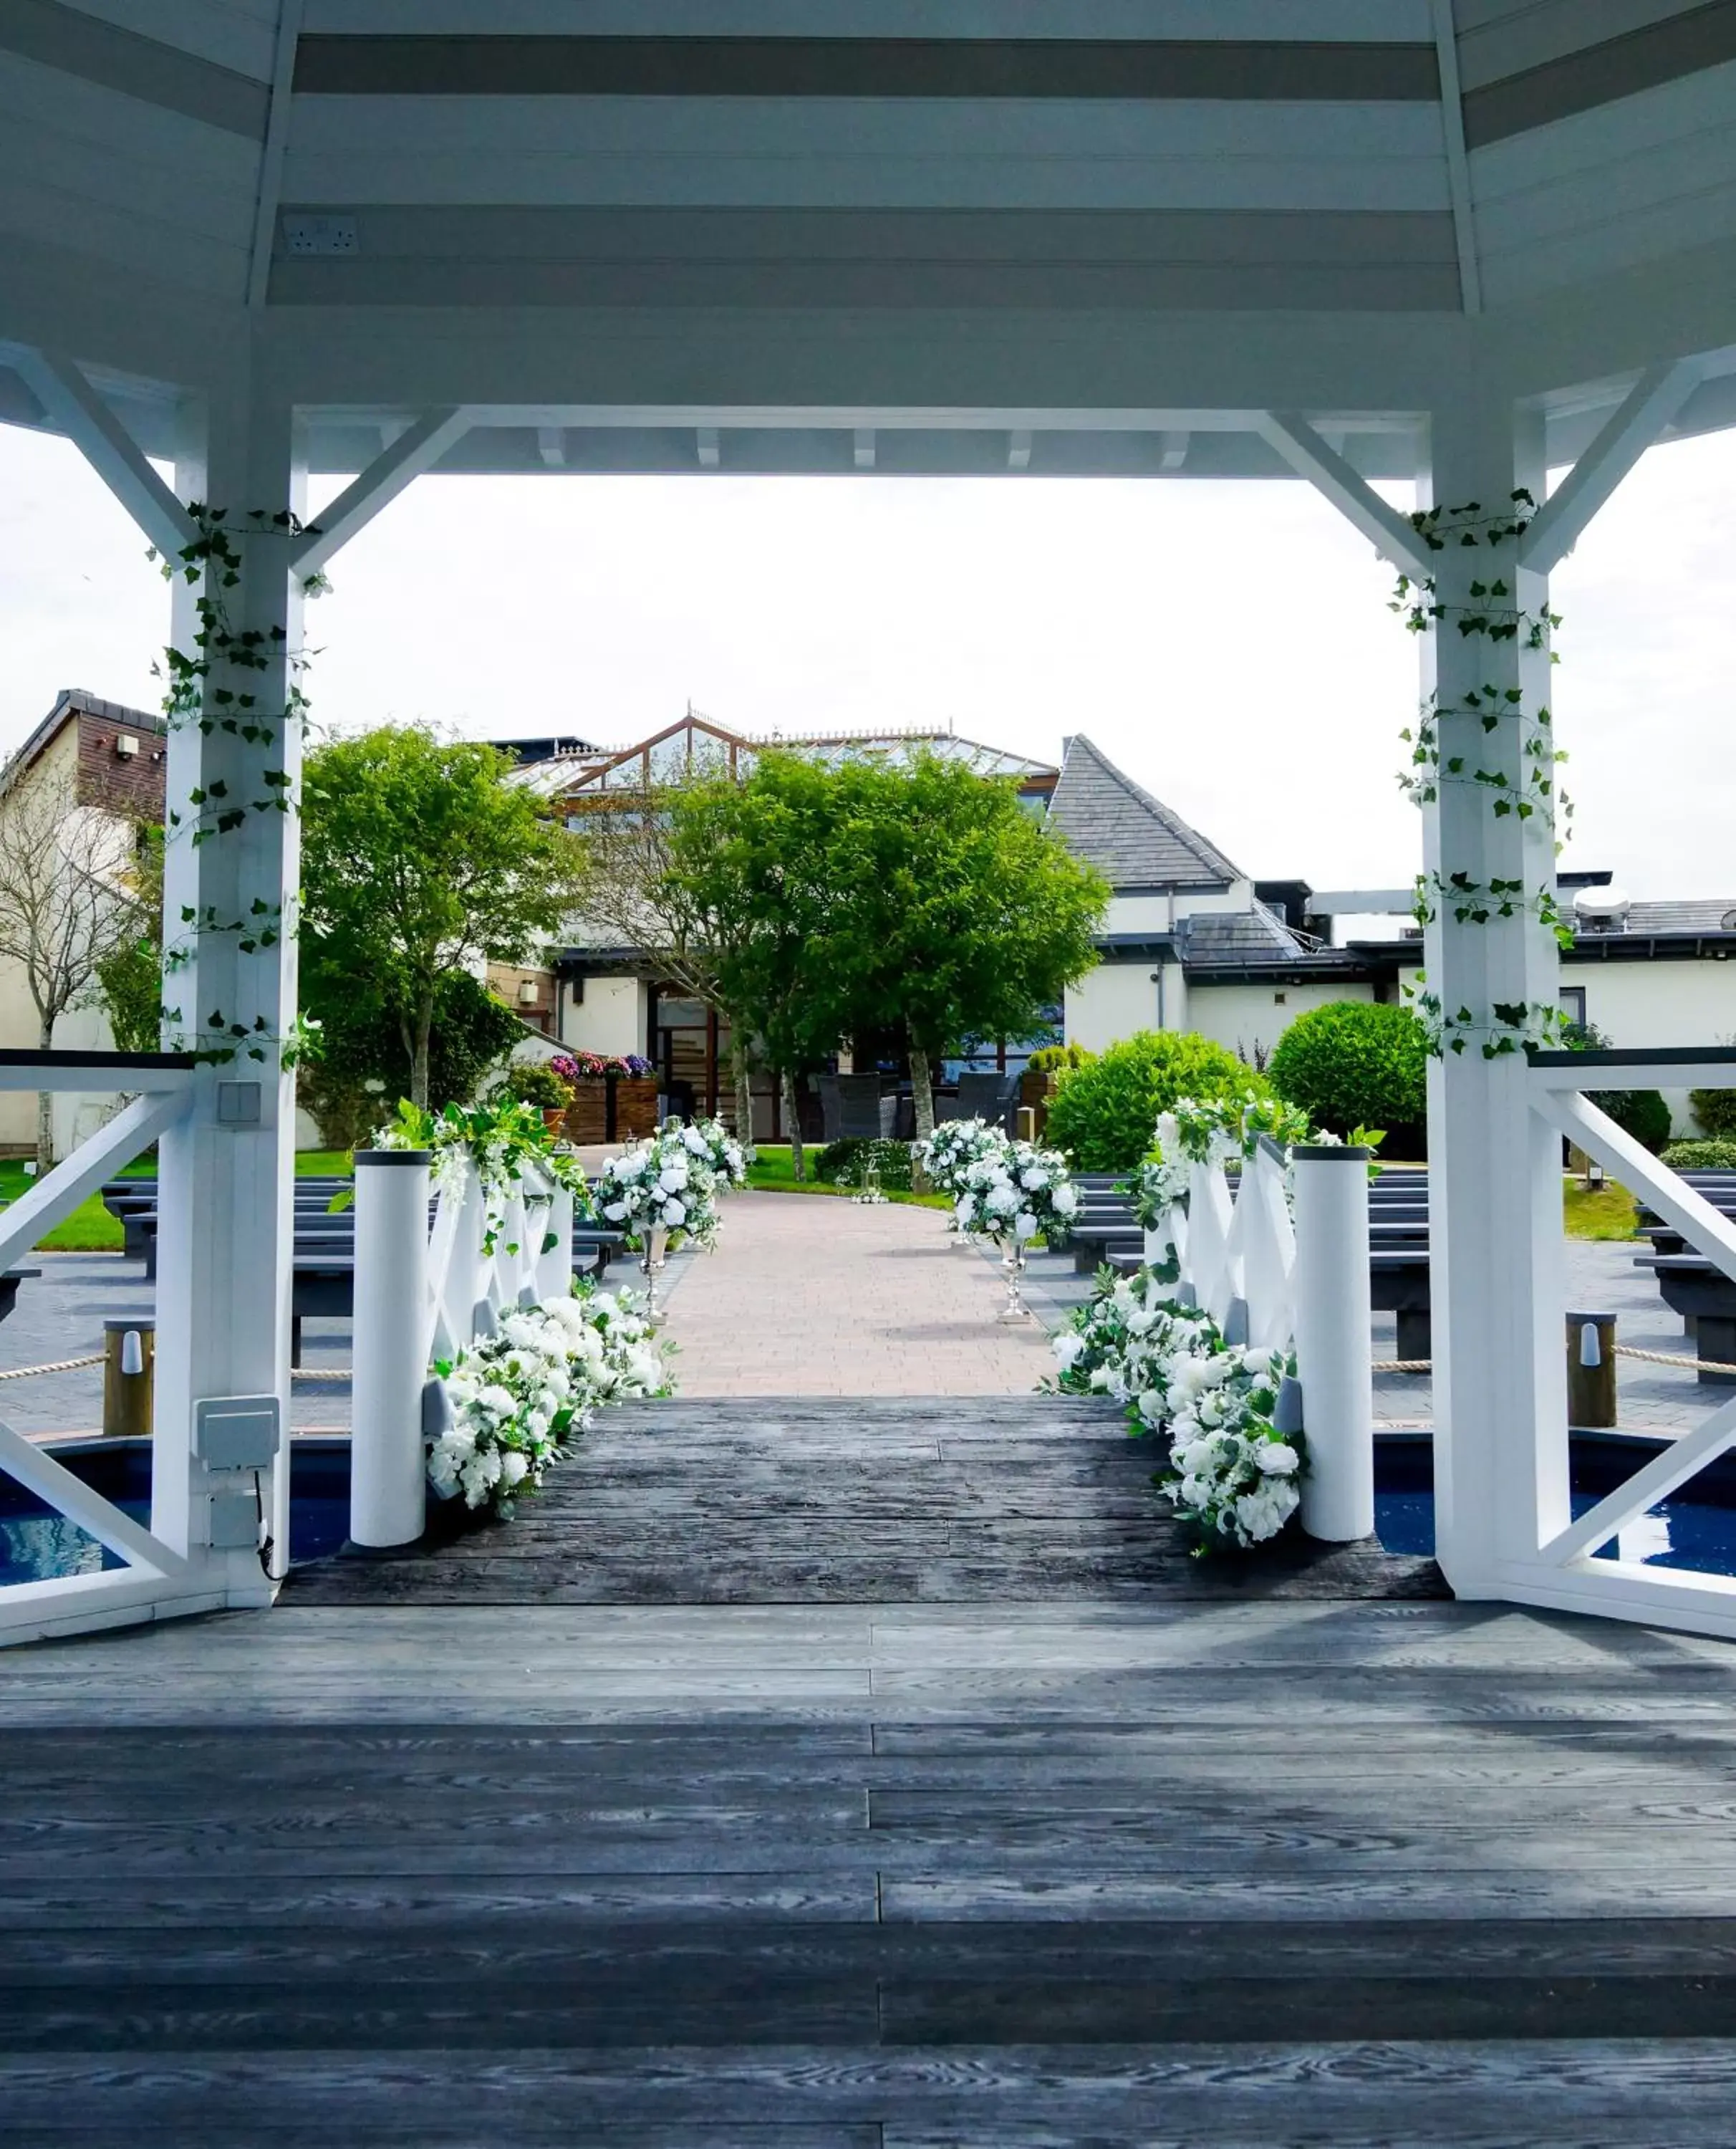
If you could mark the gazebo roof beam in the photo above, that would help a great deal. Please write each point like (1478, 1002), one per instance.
(91, 425)
(1313, 459)
(1653, 400)
(414, 451)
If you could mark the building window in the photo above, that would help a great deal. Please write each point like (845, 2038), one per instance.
(1572, 1003)
(1280, 998)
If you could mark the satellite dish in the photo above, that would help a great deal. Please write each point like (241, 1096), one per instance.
(1601, 909)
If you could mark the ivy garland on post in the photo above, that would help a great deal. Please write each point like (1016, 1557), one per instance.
(212, 562)
(1527, 788)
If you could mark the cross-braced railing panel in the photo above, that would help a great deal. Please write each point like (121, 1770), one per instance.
(151, 1570)
(1558, 1083)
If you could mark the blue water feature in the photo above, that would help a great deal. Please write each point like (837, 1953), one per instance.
(1694, 1529)
(39, 1545)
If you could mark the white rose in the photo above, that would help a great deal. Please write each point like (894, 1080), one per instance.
(1277, 1458)
(513, 1466)
(1068, 1348)
(1066, 1199)
(674, 1212)
(1024, 1225)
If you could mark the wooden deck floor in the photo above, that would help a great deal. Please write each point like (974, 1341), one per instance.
(787, 1500)
(1061, 1872)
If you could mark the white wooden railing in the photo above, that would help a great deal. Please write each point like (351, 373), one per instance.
(1563, 1570)
(153, 1578)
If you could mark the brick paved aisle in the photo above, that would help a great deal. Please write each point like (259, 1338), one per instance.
(807, 1295)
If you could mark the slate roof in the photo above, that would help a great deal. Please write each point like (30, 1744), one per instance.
(1133, 839)
(1221, 940)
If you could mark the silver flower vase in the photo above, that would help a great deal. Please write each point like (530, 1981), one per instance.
(1012, 1264)
(653, 1251)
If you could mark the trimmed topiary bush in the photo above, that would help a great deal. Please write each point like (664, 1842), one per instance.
(1051, 1059)
(1105, 1113)
(1641, 1112)
(1701, 1155)
(1715, 1111)
(1357, 1064)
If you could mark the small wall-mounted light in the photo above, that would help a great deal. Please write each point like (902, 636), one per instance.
(527, 992)
(126, 746)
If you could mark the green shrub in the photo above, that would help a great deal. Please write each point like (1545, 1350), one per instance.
(1641, 1112)
(1356, 1063)
(1050, 1058)
(1715, 1109)
(841, 1163)
(1105, 1113)
(535, 1082)
(1718, 1155)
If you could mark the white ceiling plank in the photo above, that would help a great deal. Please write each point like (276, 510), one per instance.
(87, 230)
(1173, 453)
(709, 448)
(1018, 449)
(67, 395)
(551, 445)
(238, 34)
(271, 156)
(105, 124)
(1309, 456)
(862, 448)
(39, 158)
(418, 448)
(1502, 39)
(1351, 21)
(1589, 143)
(1648, 407)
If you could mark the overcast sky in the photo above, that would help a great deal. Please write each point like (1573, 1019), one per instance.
(1228, 645)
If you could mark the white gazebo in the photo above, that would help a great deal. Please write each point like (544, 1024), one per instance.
(1456, 241)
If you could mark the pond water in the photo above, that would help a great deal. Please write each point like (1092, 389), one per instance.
(39, 1545)
(1694, 1529)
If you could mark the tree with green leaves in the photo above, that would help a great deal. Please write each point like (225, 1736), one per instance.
(749, 865)
(953, 913)
(419, 859)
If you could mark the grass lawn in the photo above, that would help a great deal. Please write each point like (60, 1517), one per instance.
(772, 1173)
(1607, 1213)
(91, 1229)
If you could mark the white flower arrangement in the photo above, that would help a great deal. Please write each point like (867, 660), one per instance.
(1233, 1476)
(1017, 1192)
(712, 1143)
(662, 1184)
(1217, 1130)
(947, 1153)
(517, 1396)
(503, 1140)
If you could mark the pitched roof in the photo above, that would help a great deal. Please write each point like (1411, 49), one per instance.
(1132, 839)
(1215, 939)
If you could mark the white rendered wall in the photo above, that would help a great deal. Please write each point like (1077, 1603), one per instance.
(1116, 998)
(1653, 1004)
(609, 1019)
(1243, 1016)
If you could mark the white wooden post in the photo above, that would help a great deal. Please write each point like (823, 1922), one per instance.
(554, 1262)
(1496, 1284)
(1269, 1249)
(387, 1479)
(226, 1170)
(1332, 1315)
(1209, 1217)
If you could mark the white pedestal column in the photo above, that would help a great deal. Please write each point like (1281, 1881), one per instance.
(226, 1172)
(1496, 1288)
(387, 1479)
(1331, 1296)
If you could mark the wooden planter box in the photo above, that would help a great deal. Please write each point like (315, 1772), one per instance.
(612, 1107)
(1034, 1093)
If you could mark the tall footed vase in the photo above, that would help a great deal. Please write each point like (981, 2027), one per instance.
(652, 1253)
(1012, 1267)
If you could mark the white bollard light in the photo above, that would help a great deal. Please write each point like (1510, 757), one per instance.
(387, 1480)
(1334, 1356)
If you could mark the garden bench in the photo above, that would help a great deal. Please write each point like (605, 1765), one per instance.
(10, 1279)
(1399, 1283)
(1705, 1297)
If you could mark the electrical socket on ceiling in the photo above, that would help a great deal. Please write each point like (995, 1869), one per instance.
(319, 235)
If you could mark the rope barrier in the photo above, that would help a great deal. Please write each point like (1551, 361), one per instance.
(1671, 1358)
(319, 1373)
(58, 1366)
(1622, 1351)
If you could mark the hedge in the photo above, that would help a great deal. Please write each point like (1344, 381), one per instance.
(1103, 1114)
(1716, 1155)
(1357, 1064)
